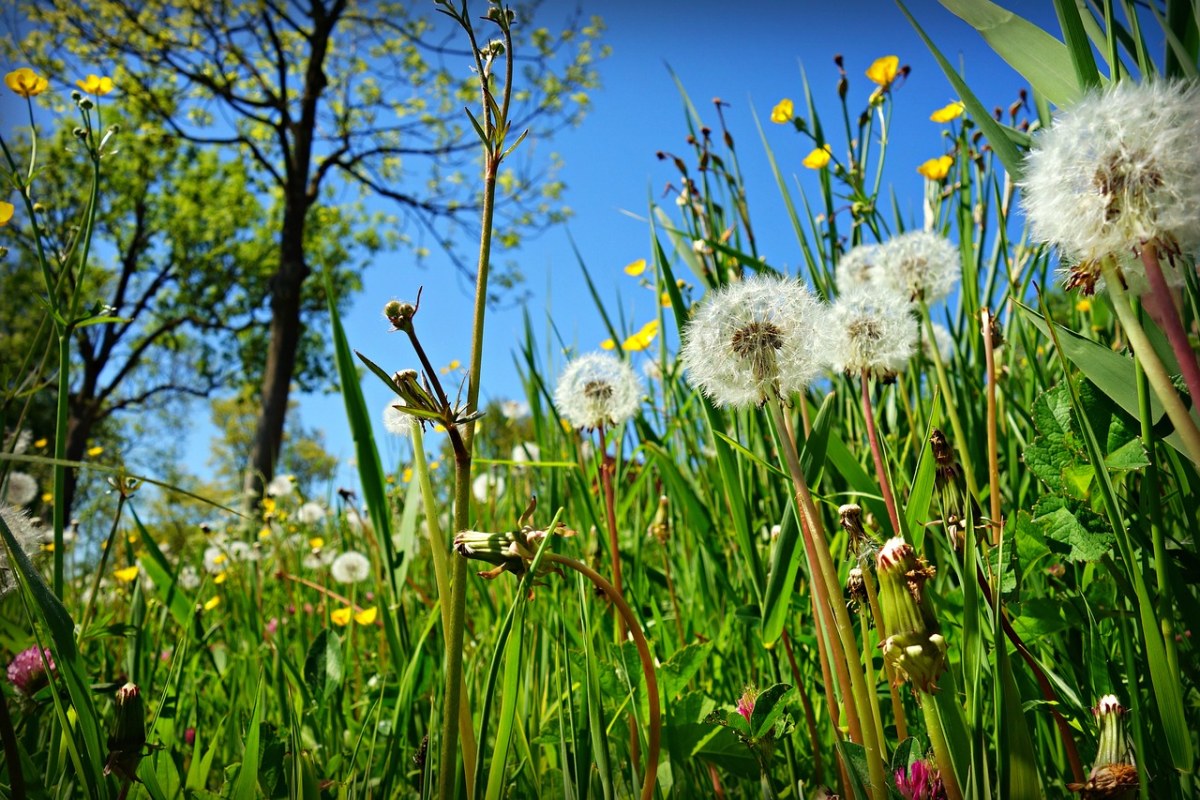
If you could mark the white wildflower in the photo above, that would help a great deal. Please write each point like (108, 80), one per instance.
(857, 267)
(351, 567)
(701, 247)
(21, 489)
(188, 579)
(1117, 170)
(598, 389)
(754, 340)
(524, 453)
(243, 551)
(27, 538)
(486, 486)
(918, 264)
(396, 421)
(17, 443)
(310, 513)
(871, 328)
(215, 560)
(281, 486)
(514, 409)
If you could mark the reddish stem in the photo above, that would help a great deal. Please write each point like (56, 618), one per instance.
(885, 485)
(1160, 303)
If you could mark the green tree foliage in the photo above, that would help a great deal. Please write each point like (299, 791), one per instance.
(310, 97)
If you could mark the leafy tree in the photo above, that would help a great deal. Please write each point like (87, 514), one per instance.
(306, 96)
(182, 267)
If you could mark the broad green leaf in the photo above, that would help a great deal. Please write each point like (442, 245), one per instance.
(680, 668)
(768, 707)
(1087, 536)
(247, 776)
(323, 668)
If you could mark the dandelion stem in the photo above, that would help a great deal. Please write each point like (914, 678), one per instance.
(889, 670)
(989, 351)
(654, 727)
(810, 719)
(1156, 373)
(881, 473)
(960, 436)
(1162, 305)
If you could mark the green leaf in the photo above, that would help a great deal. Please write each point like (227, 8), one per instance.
(681, 667)
(323, 665)
(768, 707)
(1087, 535)
(158, 569)
(247, 776)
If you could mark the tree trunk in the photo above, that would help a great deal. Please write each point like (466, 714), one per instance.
(80, 423)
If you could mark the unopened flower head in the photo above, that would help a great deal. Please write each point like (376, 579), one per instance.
(754, 340)
(918, 264)
(350, 567)
(871, 328)
(21, 489)
(598, 389)
(1118, 170)
(27, 538)
(857, 267)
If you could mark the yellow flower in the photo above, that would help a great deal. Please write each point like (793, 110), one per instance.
(642, 339)
(221, 576)
(48, 547)
(608, 344)
(665, 299)
(47, 498)
(95, 451)
(268, 505)
(40, 443)
(1083, 306)
(948, 112)
(783, 112)
(434, 464)
(6, 212)
(635, 268)
(126, 575)
(25, 82)
(407, 476)
(453, 365)
(132, 538)
(264, 532)
(936, 168)
(220, 558)
(883, 70)
(341, 617)
(818, 158)
(96, 85)
(213, 603)
(366, 616)
(316, 543)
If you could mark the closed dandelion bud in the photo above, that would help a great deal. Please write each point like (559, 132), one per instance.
(1114, 775)
(660, 527)
(128, 739)
(914, 643)
(856, 589)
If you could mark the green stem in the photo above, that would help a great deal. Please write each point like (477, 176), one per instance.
(937, 737)
(1156, 373)
(960, 435)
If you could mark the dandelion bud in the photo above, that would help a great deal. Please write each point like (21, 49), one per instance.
(1114, 775)
(914, 643)
(39, 208)
(843, 86)
(128, 739)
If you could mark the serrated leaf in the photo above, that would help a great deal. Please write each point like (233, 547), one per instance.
(682, 666)
(1087, 535)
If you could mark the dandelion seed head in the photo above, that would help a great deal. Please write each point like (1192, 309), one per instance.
(598, 389)
(1117, 170)
(310, 513)
(21, 489)
(919, 265)
(350, 567)
(754, 339)
(189, 579)
(857, 267)
(486, 486)
(281, 486)
(396, 421)
(871, 328)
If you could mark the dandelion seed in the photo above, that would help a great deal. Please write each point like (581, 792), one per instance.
(281, 485)
(857, 267)
(214, 559)
(514, 409)
(871, 328)
(21, 489)
(922, 265)
(27, 538)
(943, 340)
(598, 389)
(27, 672)
(754, 340)
(243, 551)
(351, 567)
(1118, 170)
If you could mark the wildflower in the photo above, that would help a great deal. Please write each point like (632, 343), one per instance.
(936, 169)
(395, 420)
(341, 616)
(914, 643)
(281, 486)
(949, 112)
(871, 328)
(6, 212)
(41, 443)
(128, 739)
(25, 82)
(367, 616)
(514, 409)
(920, 782)
(608, 344)
(1117, 171)
(783, 112)
(921, 265)
(95, 450)
(351, 567)
(486, 486)
(525, 452)
(598, 389)
(1114, 774)
(883, 72)
(127, 574)
(21, 489)
(214, 559)
(635, 268)
(27, 672)
(96, 85)
(213, 602)
(188, 579)
(310, 513)
(754, 340)
(1084, 305)
(857, 267)
(745, 703)
(189, 736)
(642, 338)
(818, 158)
(243, 551)
(27, 538)
(270, 628)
